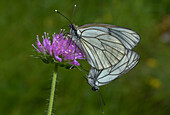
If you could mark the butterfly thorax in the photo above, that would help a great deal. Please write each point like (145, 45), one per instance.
(75, 36)
(73, 32)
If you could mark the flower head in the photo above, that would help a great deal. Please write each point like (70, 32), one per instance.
(61, 49)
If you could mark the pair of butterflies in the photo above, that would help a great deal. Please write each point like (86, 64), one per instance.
(107, 48)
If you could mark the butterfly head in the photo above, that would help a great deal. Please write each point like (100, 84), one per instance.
(91, 82)
(73, 29)
(95, 88)
(73, 32)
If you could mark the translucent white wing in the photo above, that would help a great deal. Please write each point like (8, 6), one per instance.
(102, 77)
(101, 53)
(128, 37)
(104, 45)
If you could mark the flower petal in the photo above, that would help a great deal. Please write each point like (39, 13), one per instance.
(75, 63)
(58, 58)
(40, 46)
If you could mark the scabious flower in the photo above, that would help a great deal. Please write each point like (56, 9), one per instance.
(60, 49)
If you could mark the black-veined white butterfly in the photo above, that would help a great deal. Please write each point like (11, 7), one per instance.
(107, 49)
(98, 78)
(103, 45)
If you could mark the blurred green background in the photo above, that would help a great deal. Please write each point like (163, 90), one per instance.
(25, 82)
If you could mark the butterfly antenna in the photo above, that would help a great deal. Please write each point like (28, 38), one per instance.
(73, 13)
(63, 16)
(101, 101)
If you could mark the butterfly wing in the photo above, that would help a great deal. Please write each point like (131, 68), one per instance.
(105, 76)
(104, 45)
(128, 37)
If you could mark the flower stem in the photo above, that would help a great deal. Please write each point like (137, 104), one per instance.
(50, 107)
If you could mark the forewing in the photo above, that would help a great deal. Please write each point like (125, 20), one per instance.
(128, 37)
(102, 50)
(127, 63)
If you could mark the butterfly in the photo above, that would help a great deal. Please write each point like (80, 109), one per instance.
(107, 48)
(98, 78)
(103, 45)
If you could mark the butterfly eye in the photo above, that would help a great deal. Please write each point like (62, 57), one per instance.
(70, 26)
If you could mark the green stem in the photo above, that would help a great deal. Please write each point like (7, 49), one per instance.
(50, 107)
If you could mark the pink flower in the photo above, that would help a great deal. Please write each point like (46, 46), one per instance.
(62, 48)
